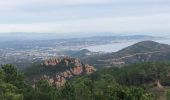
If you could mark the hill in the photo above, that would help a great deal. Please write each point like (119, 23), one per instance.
(144, 47)
(145, 51)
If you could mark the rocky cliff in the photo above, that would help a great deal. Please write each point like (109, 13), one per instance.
(58, 70)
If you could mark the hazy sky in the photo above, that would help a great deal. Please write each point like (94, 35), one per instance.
(64, 16)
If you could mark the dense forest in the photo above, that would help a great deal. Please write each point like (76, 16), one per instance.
(141, 81)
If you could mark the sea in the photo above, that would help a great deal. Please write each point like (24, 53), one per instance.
(114, 47)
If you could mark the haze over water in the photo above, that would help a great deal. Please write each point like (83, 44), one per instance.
(113, 47)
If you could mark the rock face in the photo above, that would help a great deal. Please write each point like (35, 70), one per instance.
(51, 62)
(63, 69)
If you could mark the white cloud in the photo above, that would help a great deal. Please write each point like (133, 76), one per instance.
(76, 16)
(148, 23)
(15, 4)
(18, 5)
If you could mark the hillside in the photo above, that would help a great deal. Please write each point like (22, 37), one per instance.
(145, 51)
(143, 47)
(142, 81)
(69, 78)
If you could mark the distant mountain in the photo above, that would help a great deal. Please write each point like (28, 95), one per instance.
(11, 36)
(145, 51)
(58, 70)
(21, 41)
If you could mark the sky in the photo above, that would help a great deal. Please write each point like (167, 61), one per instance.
(86, 16)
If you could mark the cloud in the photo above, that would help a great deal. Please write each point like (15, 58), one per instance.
(10, 6)
(17, 4)
(147, 24)
(84, 16)
(39, 14)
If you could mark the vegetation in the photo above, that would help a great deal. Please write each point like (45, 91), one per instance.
(134, 82)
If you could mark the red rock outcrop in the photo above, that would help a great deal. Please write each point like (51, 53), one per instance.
(89, 69)
(51, 62)
(73, 68)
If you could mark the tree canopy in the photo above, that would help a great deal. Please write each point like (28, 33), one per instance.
(132, 82)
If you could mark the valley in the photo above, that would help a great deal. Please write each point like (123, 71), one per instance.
(85, 50)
